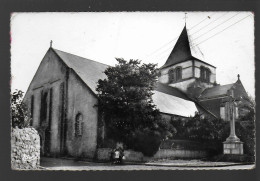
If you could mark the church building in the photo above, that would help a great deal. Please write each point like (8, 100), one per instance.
(63, 100)
(186, 70)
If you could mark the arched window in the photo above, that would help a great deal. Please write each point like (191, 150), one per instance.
(79, 125)
(207, 77)
(171, 76)
(204, 74)
(178, 73)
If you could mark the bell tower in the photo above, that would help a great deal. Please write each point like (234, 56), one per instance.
(185, 68)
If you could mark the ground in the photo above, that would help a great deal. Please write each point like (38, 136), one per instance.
(69, 164)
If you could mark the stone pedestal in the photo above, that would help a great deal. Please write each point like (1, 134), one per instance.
(233, 147)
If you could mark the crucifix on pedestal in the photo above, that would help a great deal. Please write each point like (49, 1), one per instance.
(232, 145)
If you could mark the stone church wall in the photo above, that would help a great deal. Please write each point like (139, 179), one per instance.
(25, 148)
(49, 79)
(81, 100)
(50, 74)
(56, 116)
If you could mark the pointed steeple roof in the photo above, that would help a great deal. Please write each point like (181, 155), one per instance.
(183, 50)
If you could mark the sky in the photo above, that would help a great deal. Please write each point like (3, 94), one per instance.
(226, 40)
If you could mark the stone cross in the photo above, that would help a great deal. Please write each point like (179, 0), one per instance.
(51, 43)
(232, 118)
(232, 145)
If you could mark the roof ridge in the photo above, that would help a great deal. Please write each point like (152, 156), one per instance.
(182, 94)
(175, 88)
(80, 56)
(214, 88)
(83, 69)
(220, 86)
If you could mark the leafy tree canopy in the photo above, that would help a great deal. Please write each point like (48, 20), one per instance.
(248, 104)
(127, 106)
(19, 113)
(214, 132)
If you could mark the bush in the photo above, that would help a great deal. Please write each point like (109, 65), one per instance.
(245, 130)
(213, 132)
(20, 115)
(146, 141)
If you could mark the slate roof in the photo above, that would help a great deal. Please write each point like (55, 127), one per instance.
(171, 91)
(177, 93)
(184, 50)
(168, 99)
(88, 70)
(170, 104)
(216, 91)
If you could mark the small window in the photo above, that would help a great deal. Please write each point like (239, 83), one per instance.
(79, 125)
(204, 74)
(178, 73)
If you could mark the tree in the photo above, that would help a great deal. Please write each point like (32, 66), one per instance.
(213, 132)
(248, 104)
(20, 115)
(127, 106)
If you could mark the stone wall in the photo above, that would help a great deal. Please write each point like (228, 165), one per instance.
(169, 153)
(133, 156)
(103, 154)
(25, 149)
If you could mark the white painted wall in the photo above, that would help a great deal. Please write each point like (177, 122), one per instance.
(212, 70)
(186, 71)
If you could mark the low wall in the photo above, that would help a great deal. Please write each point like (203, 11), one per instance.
(103, 154)
(25, 148)
(133, 156)
(168, 153)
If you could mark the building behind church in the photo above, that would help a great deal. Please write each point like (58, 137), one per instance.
(63, 100)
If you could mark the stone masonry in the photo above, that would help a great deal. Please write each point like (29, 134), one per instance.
(25, 149)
